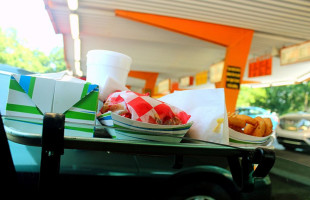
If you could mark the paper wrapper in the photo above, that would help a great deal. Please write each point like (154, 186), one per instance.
(143, 108)
(208, 113)
(108, 87)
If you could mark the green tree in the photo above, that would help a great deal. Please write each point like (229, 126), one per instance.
(14, 53)
(56, 57)
(249, 96)
(291, 98)
(281, 99)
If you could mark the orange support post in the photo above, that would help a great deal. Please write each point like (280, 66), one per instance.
(236, 40)
(149, 77)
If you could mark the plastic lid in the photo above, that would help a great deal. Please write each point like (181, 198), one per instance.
(108, 57)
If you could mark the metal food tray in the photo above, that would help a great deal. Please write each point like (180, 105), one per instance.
(53, 142)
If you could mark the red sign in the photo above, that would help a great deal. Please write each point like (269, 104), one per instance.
(260, 66)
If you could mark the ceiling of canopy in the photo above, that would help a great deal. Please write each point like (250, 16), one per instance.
(275, 23)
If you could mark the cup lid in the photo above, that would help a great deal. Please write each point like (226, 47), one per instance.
(108, 57)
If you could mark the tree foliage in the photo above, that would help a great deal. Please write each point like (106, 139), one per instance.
(281, 99)
(249, 96)
(14, 53)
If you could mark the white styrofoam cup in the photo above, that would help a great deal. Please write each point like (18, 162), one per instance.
(102, 64)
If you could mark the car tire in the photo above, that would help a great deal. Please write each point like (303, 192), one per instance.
(200, 190)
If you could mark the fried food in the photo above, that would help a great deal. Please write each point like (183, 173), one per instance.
(258, 126)
(240, 121)
(268, 123)
(248, 119)
(261, 127)
(236, 121)
(236, 128)
(249, 129)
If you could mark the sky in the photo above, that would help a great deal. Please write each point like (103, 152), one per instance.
(32, 23)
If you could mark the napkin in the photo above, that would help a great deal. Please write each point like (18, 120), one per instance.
(208, 113)
(110, 86)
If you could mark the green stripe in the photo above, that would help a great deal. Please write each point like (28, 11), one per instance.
(23, 108)
(89, 130)
(155, 129)
(106, 114)
(85, 89)
(237, 141)
(24, 121)
(79, 115)
(243, 142)
(31, 86)
(15, 86)
(149, 133)
(90, 102)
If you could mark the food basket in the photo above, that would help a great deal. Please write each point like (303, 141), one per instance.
(123, 128)
(240, 139)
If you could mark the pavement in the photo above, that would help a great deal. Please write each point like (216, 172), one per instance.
(293, 165)
(290, 166)
(290, 176)
(286, 189)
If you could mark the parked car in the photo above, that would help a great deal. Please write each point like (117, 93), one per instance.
(257, 111)
(294, 131)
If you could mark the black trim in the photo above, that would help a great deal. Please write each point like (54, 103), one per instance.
(8, 175)
(280, 140)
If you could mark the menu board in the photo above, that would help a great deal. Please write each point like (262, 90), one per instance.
(164, 86)
(216, 72)
(260, 66)
(295, 53)
(233, 75)
(186, 81)
(201, 78)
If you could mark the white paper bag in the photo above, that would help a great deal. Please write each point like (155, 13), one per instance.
(109, 86)
(208, 112)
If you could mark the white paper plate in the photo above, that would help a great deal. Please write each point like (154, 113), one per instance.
(241, 139)
(128, 129)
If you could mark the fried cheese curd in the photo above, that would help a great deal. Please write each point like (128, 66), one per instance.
(258, 126)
